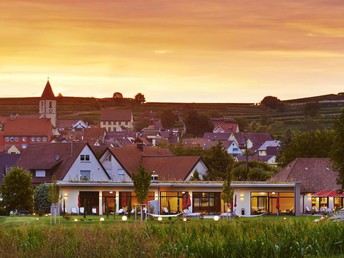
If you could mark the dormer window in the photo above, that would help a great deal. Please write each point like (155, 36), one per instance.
(85, 158)
(154, 176)
(40, 173)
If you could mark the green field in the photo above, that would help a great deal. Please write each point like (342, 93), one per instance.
(25, 236)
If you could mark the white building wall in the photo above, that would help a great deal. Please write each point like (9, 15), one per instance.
(97, 171)
(201, 168)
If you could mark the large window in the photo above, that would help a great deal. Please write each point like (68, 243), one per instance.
(267, 202)
(85, 174)
(209, 203)
(127, 199)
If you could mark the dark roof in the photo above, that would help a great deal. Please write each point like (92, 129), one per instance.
(115, 115)
(314, 174)
(217, 136)
(7, 161)
(48, 93)
(130, 156)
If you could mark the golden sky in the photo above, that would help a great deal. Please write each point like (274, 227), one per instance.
(177, 51)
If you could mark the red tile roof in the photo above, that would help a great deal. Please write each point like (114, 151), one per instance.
(115, 115)
(171, 168)
(48, 93)
(28, 127)
(130, 156)
(314, 174)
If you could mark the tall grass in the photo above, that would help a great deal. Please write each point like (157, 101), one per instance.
(237, 238)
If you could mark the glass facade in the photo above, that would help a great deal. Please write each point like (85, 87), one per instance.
(207, 203)
(266, 202)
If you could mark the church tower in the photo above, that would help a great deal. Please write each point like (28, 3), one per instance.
(47, 104)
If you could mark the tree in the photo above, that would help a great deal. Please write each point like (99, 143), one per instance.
(337, 153)
(197, 124)
(17, 191)
(54, 198)
(41, 200)
(310, 144)
(227, 191)
(272, 102)
(141, 180)
(140, 98)
(168, 119)
(218, 162)
(252, 171)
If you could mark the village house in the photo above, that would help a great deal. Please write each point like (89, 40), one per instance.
(116, 119)
(225, 125)
(318, 184)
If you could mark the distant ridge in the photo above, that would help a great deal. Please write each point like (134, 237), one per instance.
(323, 98)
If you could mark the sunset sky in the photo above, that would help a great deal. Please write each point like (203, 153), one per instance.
(173, 51)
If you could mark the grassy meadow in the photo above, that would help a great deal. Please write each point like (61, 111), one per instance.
(25, 236)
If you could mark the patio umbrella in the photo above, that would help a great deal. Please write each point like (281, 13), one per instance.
(277, 203)
(235, 201)
(186, 202)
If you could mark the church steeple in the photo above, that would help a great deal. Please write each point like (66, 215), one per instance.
(48, 93)
(47, 104)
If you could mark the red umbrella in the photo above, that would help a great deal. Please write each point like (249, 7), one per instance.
(186, 202)
(277, 202)
(235, 201)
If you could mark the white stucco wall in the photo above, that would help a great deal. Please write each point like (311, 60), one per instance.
(114, 168)
(201, 168)
(93, 165)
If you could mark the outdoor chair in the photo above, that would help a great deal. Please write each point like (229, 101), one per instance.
(94, 211)
(74, 211)
(82, 210)
(120, 212)
(188, 214)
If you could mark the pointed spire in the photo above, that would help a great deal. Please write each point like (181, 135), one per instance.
(48, 93)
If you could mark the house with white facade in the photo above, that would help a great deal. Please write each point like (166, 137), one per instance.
(116, 119)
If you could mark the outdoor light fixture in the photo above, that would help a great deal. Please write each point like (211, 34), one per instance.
(160, 218)
(216, 218)
(75, 219)
(111, 192)
(184, 219)
(124, 218)
(101, 219)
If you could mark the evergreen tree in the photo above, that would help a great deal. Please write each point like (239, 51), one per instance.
(41, 200)
(227, 191)
(218, 162)
(141, 180)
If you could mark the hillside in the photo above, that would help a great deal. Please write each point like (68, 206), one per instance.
(270, 120)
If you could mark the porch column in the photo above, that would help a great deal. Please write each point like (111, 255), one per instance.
(117, 201)
(100, 208)
(191, 202)
(297, 198)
